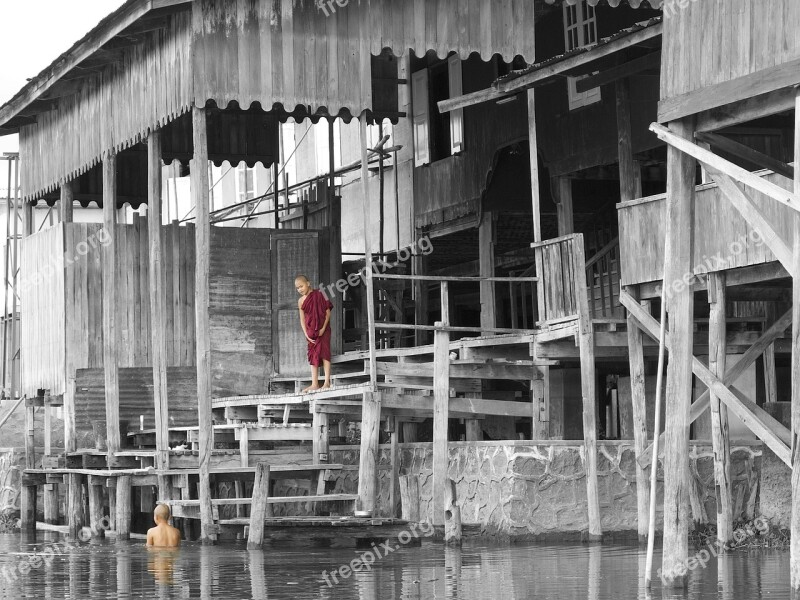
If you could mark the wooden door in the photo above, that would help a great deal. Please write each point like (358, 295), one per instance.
(293, 253)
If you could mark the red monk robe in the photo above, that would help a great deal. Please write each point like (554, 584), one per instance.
(315, 308)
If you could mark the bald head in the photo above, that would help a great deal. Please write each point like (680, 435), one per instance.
(162, 513)
(301, 279)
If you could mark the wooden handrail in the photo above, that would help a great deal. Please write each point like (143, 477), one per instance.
(11, 412)
(603, 252)
(456, 279)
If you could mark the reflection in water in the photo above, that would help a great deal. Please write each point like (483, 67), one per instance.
(124, 570)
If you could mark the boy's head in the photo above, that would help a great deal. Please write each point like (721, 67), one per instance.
(302, 285)
(161, 514)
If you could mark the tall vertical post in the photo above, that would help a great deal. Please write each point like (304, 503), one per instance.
(368, 459)
(680, 305)
(373, 372)
(28, 492)
(15, 278)
(441, 409)
(199, 185)
(158, 301)
(534, 156)
(486, 241)
(67, 201)
(565, 215)
(124, 507)
(111, 374)
(639, 410)
(795, 543)
(75, 504)
(630, 180)
(717, 350)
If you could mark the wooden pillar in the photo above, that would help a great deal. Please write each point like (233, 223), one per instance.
(588, 377)
(770, 382)
(28, 220)
(795, 537)
(74, 504)
(51, 503)
(540, 397)
(158, 313)
(109, 266)
(486, 241)
(566, 220)
(452, 515)
(124, 507)
(639, 411)
(66, 202)
(370, 285)
(28, 492)
(534, 157)
(409, 433)
(96, 506)
(368, 461)
(474, 429)
(441, 412)
(680, 305)
(258, 510)
(199, 186)
(319, 425)
(717, 351)
(394, 482)
(630, 179)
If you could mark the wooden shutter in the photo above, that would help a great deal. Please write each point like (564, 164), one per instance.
(421, 111)
(456, 116)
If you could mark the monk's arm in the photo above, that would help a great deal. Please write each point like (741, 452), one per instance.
(327, 321)
(303, 320)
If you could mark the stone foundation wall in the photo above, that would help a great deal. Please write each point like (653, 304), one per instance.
(529, 490)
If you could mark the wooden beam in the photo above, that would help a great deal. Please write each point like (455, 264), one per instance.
(754, 216)
(368, 459)
(486, 241)
(763, 81)
(370, 284)
(199, 189)
(794, 562)
(533, 144)
(158, 301)
(620, 72)
(258, 509)
(678, 260)
(630, 178)
(770, 381)
(639, 411)
(66, 202)
(712, 161)
(441, 408)
(109, 266)
(566, 221)
(745, 153)
(746, 110)
(717, 353)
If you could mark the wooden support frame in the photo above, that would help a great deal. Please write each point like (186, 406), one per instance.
(109, 266)
(639, 410)
(680, 305)
(720, 439)
(158, 302)
(199, 187)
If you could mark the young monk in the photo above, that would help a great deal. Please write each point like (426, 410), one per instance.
(163, 535)
(315, 319)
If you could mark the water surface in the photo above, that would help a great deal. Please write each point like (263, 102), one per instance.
(108, 569)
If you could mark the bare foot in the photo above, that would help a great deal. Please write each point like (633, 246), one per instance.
(326, 386)
(312, 388)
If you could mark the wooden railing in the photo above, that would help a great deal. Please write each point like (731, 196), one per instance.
(560, 264)
(602, 277)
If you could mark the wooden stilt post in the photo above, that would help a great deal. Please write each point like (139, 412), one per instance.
(474, 429)
(96, 506)
(540, 397)
(486, 241)
(158, 300)
(368, 460)
(534, 157)
(111, 490)
(51, 503)
(74, 504)
(28, 492)
(370, 284)
(258, 509)
(639, 411)
(680, 223)
(199, 185)
(111, 374)
(124, 507)
(409, 433)
(67, 201)
(717, 351)
(394, 483)
(452, 515)
(586, 352)
(795, 543)
(441, 410)
(770, 382)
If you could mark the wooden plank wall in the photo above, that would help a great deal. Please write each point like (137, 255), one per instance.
(83, 289)
(41, 287)
(240, 311)
(713, 41)
(641, 227)
(113, 109)
(135, 398)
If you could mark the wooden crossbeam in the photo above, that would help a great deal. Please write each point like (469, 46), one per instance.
(632, 67)
(709, 159)
(744, 152)
(754, 216)
(764, 426)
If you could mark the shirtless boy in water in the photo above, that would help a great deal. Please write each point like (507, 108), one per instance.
(315, 319)
(163, 535)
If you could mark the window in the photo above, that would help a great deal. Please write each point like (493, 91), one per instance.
(580, 29)
(437, 135)
(245, 182)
